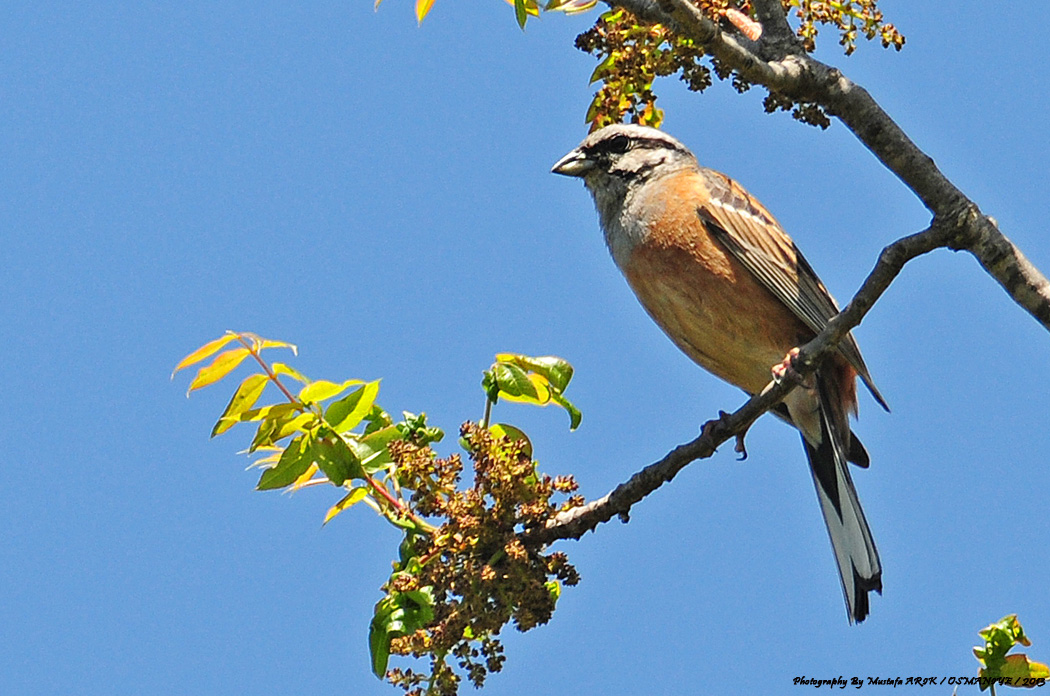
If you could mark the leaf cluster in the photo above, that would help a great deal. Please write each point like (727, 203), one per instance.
(463, 571)
(632, 54)
(850, 17)
(999, 667)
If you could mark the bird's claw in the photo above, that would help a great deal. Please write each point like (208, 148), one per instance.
(740, 448)
(787, 370)
(723, 420)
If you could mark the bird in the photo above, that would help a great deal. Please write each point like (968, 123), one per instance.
(725, 282)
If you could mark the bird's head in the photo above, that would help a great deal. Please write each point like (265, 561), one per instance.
(623, 155)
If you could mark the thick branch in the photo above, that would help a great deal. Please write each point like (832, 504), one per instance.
(777, 62)
(574, 523)
(781, 66)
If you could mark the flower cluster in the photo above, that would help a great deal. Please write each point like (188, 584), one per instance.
(474, 573)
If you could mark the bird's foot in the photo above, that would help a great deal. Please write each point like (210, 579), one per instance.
(786, 370)
(723, 420)
(740, 448)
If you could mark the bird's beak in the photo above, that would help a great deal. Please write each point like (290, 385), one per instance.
(573, 164)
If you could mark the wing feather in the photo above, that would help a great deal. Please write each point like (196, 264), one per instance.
(747, 230)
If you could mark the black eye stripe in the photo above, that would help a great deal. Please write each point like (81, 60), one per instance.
(618, 144)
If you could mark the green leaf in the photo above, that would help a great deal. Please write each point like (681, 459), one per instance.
(371, 449)
(243, 399)
(406, 553)
(344, 415)
(336, 459)
(574, 413)
(377, 419)
(379, 640)
(415, 429)
(270, 428)
(521, 13)
(490, 385)
(323, 389)
(274, 418)
(602, 69)
(293, 463)
(223, 365)
(557, 370)
(423, 613)
(396, 615)
(514, 382)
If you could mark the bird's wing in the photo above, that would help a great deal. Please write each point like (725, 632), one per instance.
(747, 230)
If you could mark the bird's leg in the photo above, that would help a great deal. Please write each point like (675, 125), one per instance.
(723, 420)
(786, 370)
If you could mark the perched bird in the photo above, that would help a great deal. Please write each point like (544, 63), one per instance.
(724, 281)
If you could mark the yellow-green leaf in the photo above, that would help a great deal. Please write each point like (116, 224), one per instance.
(514, 435)
(349, 500)
(345, 414)
(243, 399)
(302, 422)
(602, 69)
(270, 460)
(305, 478)
(223, 365)
(203, 352)
(1018, 668)
(554, 589)
(282, 369)
(422, 8)
(267, 412)
(262, 343)
(531, 7)
(592, 110)
(323, 389)
(272, 425)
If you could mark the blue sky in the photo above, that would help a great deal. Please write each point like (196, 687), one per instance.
(378, 193)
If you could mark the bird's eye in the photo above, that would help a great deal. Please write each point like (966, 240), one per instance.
(619, 144)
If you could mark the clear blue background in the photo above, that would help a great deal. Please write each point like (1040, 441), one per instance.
(379, 193)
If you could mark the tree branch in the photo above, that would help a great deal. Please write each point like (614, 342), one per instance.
(781, 66)
(574, 523)
(777, 62)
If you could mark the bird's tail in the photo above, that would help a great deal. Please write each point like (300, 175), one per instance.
(851, 540)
